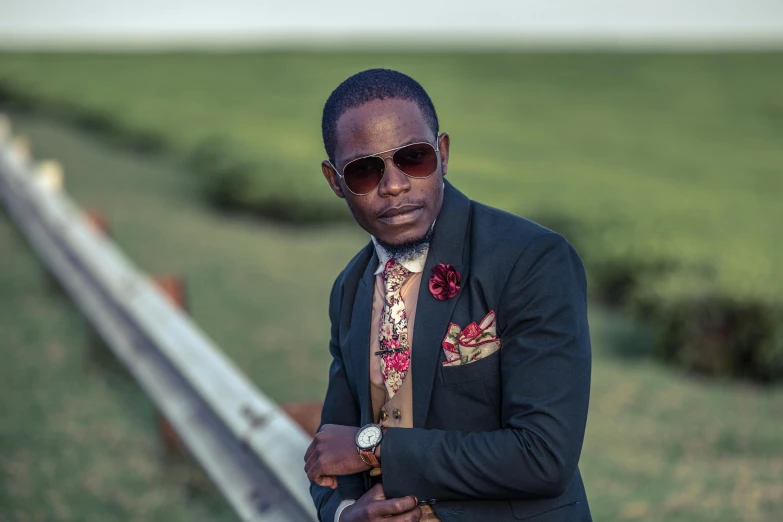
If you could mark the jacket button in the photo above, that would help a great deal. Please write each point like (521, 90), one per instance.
(432, 501)
(396, 413)
(384, 415)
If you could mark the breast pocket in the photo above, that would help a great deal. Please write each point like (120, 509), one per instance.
(472, 393)
(486, 367)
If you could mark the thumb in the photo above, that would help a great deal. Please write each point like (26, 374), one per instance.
(328, 481)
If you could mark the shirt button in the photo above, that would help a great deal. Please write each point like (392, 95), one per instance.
(396, 413)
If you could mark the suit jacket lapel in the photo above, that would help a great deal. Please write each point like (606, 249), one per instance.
(432, 316)
(360, 336)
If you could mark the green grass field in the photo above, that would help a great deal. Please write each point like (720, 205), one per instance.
(659, 446)
(77, 436)
(664, 169)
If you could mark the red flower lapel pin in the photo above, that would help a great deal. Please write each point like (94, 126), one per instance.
(444, 283)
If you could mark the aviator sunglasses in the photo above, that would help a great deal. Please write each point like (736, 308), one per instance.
(416, 160)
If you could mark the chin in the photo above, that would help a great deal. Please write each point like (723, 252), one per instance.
(403, 237)
(410, 237)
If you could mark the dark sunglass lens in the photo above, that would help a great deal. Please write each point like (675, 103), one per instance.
(364, 174)
(418, 160)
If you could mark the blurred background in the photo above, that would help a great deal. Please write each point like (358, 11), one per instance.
(648, 133)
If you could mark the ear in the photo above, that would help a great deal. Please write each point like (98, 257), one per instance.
(443, 145)
(332, 178)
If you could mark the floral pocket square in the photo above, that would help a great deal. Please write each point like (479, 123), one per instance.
(469, 344)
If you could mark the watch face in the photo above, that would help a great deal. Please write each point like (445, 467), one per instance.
(368, 437)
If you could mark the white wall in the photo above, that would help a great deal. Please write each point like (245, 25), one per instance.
(602, 22)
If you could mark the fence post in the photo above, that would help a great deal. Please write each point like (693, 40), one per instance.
(98, 222)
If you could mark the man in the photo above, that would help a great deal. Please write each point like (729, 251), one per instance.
(460, 377)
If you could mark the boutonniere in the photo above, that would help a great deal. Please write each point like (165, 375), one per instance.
(444, 283)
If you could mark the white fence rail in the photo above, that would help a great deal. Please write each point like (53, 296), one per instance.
(251, 450)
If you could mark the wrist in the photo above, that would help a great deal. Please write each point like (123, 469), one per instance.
(377, 450)
(368, 438)
(368, 458)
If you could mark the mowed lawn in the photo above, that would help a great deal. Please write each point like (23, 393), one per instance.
(78, 441)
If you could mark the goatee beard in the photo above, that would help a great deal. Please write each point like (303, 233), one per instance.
(409, 249)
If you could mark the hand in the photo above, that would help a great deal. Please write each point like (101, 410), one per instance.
(373, 506)
(333, 453)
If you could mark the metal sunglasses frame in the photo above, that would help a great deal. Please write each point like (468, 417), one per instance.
(436, 147)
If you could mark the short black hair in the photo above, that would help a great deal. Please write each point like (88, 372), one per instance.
(372, 84)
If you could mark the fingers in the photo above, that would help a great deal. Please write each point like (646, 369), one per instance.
(376, 492)
(313, 470)
(375, 506)
(310, 462)
(310, 450)
(313, 445)
(393, 506)
(319, 458)
(327, 481)
(414, 515)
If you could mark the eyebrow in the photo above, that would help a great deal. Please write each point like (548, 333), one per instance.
(408, 142)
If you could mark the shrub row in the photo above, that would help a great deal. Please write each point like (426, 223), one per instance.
(662, 169)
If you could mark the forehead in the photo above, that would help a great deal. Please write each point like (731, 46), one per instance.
(379, 125)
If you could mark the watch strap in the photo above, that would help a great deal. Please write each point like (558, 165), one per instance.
(369, 458)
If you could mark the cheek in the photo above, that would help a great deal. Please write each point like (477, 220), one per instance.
(359, 209)
(434, 190)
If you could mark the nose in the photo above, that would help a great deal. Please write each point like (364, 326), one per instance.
(394, 181)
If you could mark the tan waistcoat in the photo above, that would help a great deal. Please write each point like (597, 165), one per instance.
(396, 412)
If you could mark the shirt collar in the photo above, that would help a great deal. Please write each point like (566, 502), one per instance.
(414, 264)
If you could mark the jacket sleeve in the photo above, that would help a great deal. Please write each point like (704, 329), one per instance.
(545, 377)
(340, 407)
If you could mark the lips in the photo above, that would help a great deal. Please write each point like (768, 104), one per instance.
(401, 214)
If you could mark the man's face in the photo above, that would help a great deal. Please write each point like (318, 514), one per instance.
(400, 209)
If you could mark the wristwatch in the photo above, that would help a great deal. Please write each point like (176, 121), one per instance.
(367, 439)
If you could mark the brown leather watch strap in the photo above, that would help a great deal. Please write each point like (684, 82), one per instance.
(368, 457)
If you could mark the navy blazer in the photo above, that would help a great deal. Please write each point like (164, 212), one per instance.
(497, 439)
